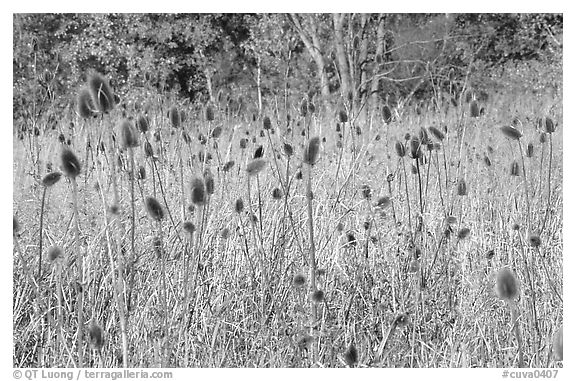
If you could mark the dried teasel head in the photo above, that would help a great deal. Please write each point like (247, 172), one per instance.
(128, 136)
(198, 191)
(51, 179)
(174, 116)
(506, 284)
(154, 209)
(312, 151)
(70, 164)
(101, 93)
(351, 356)
(255, 166)
(511, 132)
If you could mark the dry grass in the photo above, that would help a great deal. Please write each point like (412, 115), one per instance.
(231, 299)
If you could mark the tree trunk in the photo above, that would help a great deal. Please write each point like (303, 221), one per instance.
(362, 65)
(379, 58)
(341, 60)
(310, 39)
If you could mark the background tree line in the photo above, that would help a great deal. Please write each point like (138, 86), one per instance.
(247, 62)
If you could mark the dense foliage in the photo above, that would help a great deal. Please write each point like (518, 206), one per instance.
(252, 58)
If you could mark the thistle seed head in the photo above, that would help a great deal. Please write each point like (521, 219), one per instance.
(312, 151)
(70, 164)
(174, 116)
(154, 209)
(299, 280)
(239, 206)
(511, 132)
(198, 191)
(85, 106)
(101, 93)
(267, 123)
(96, 336)
(351, 356)
(255, 166)
(506, 284)
(51, 179)
(128, 136)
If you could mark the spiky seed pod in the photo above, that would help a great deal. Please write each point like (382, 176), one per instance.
(128, 136)
(415, 148)
(400, 149)
(304, 108)
(228, 166)
(338, 129)
(366, 191)
(387, 114)
(511, 132)
(463, 233)
(543, 138)
(259, 152)
(216, 132)
(142, 124)
(490, 254)
(114, 209)
(530, 150)
(342, 116)
(299, 175)
(451, 220)
(243, 143)
(535, 240)
(101, 92)
(414, 266)
(304, 342)
(558, 344)
(299, 280)
(311, 107)
(55, 253)
(239, 206)
(474, 109)
(85, 107)
(187, 139)
(351, 356)
(462, 188)
(468, 96)
(506, 284)
(317, 296)
(141, 173)
(225, 234)
(96, 336)
(148, 150)
(515, 169)
(51, 179)
(198, 191)
(312, 151)
(424, 138)
(383, 202)
(487, 161)
(437, 133)
(209, 181)
(255, 166)
(209, 113)
(174, 116)
(189, 227)
(549, 125)
(288, 150)
(70, 164)
(276, 193)
(154, 209)
(15, 225)
(515, 227)
(401, 320)
(267, 123)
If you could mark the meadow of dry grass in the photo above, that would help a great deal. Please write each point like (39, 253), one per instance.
(405, 257)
